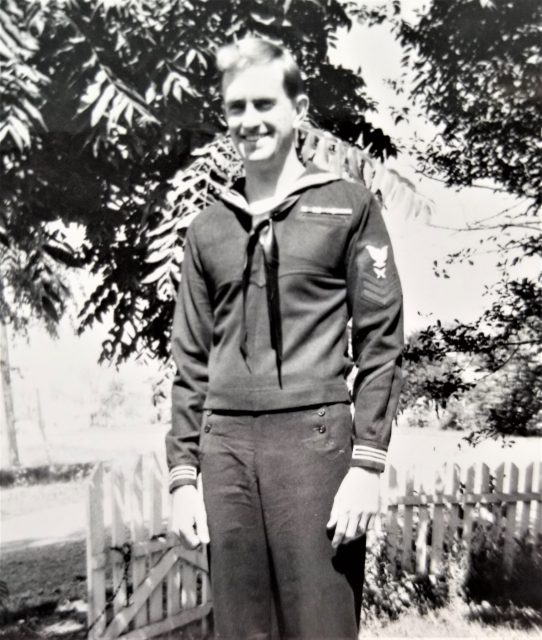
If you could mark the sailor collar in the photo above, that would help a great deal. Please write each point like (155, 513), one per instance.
(311, 177)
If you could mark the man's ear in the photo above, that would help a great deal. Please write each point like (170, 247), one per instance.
(302, 107)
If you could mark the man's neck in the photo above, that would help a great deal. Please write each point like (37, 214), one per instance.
(269, 181)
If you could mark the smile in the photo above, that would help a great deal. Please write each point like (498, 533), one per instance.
(255, 138)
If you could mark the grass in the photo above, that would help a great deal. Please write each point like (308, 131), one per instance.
(459, 620)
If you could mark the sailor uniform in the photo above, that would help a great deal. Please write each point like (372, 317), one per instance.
(260, 399)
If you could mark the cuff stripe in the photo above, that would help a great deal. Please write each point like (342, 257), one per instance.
(368, 453)
(183, 473)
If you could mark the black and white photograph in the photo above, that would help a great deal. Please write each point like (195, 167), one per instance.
(270, 319)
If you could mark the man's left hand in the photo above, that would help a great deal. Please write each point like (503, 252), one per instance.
(355, 505)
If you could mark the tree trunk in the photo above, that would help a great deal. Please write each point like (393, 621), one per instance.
(10, 451)
(41, 425)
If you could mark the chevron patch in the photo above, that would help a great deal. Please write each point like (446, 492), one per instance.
(379, 292)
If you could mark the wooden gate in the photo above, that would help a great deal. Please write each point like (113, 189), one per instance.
(141, 582)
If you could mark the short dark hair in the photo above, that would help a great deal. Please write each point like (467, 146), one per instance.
(252, 51)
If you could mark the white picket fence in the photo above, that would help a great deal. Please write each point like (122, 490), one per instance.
(426, 516)
(142, 583)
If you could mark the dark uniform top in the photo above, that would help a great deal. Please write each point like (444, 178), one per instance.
(259, 329)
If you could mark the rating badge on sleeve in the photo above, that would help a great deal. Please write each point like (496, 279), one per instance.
(379, 256)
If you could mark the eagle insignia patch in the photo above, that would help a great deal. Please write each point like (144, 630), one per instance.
(379, 256)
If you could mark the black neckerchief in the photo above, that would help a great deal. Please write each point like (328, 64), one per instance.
(234, 198)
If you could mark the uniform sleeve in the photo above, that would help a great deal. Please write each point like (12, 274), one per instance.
(191, 340)
(375, 303)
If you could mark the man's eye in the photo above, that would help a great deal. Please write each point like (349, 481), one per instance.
(235, 108)
(264, 105)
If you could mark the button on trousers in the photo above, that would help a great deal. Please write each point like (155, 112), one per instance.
(269, 480)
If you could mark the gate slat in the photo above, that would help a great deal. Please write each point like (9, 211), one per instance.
(96, 547)
(139, 565)
(189, 585)
(173, 602)
(140, 597)
(156, 610)
(118, 536)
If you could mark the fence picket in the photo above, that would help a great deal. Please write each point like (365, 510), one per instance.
(453, 485)
(469, 507)
(437, 537)
(421, 541)
(155, 485)
(406, 559)
(96, 548)
(537, 529)
(510, 531)
(392, 525)
(528, 487)
(498, 507)
(118, 537)
(139, 568)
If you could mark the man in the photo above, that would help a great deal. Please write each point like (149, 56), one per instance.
(272, 273)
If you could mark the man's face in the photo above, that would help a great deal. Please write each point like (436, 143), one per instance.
(260, 116)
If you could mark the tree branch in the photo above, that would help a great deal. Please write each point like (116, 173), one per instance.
(475, 186)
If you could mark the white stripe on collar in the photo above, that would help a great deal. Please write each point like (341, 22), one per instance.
(305, 181)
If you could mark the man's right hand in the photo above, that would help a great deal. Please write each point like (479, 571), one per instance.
(188, 517)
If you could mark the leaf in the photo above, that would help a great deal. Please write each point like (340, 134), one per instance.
(33, 112)
(156, 274)
(161, 256)
(49, 309)
(61, 255)
(101, 105)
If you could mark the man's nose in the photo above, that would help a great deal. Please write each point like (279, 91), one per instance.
(251, 118)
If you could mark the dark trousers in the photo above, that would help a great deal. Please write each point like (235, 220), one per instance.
(269, 480)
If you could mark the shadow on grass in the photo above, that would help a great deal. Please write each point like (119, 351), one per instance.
(511, 616)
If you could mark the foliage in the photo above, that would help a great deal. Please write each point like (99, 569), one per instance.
(431, 375)
(113, 123)
(476, 68)
(390, 592)
(26, 476)
(496, 361)
(477, 577)
(486, 580)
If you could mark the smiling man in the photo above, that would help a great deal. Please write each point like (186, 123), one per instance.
(271, 276)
